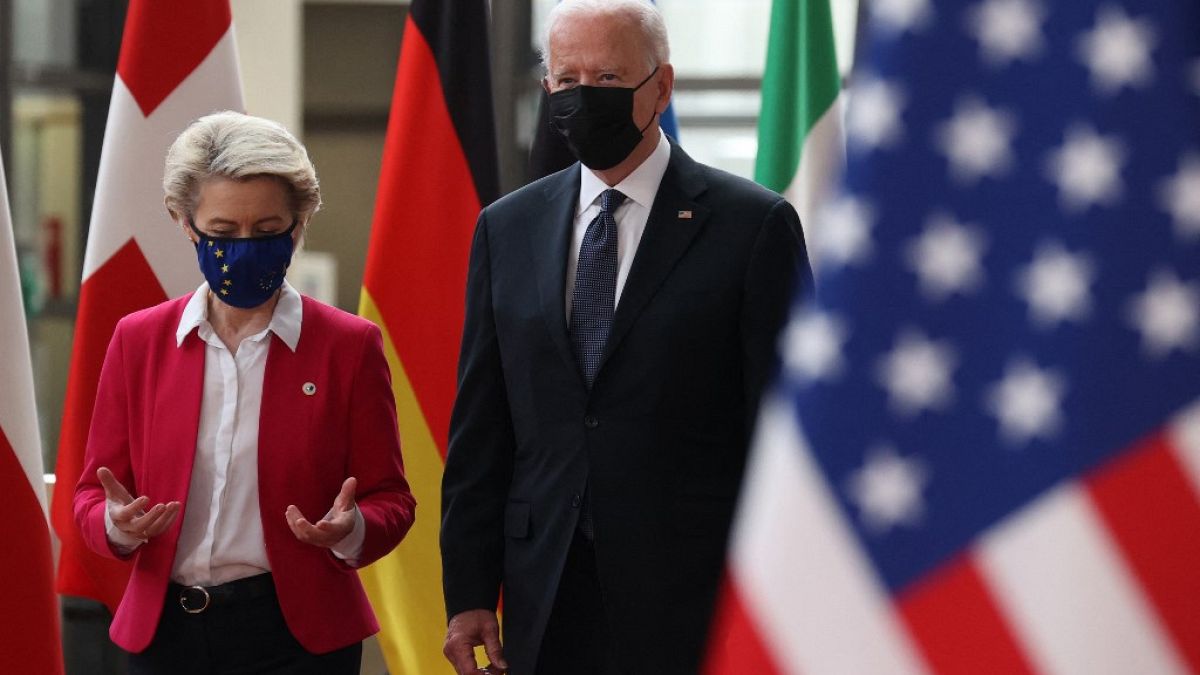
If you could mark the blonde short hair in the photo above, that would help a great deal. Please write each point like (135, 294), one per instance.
(235, 145)
(641, 13)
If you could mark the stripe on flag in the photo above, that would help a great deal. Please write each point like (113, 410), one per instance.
(957, 625)
(793, 550)
(439, 169)
(29, 641)
(1157, 532)
(177, 63)
(1068, 593)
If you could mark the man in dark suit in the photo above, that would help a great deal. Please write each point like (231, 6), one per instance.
(621, 323)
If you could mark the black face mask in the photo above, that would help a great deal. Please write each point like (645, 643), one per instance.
(597, 122)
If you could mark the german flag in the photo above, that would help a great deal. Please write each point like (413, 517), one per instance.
(439, 170)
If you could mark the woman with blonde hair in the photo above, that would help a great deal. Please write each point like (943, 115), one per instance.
(243, 451)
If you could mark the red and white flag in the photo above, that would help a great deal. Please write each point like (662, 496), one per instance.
(178, 62)
(29, 641)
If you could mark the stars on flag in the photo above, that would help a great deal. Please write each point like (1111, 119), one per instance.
(974, 315)
(225, 269)
(1027, 402)
(946, 257)
(219, 253)
(812, 346)
(1086, 168)
(977, 140)
(1056, 285)
(873, 119)
(1179, 195)
(887, 489)
(898, 16)
(1007, 30)
(1166, 314)
(916, 373)
(1117, 51)
(845, 232)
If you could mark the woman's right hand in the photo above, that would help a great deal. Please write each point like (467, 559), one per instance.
(130, 515)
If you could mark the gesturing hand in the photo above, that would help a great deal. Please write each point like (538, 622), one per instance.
(129, 515)
(466, 631)
(336, 524)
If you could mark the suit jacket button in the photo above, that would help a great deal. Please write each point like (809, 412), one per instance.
(575, 501)
(591, 422)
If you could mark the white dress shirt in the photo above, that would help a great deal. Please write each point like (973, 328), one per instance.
(640, 187)
(221, 538)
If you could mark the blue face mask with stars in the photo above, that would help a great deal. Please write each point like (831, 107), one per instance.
(244, 272)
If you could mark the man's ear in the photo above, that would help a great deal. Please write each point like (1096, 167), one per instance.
(666, 85)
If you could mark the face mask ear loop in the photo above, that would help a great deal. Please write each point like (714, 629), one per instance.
(642, 131)
(639, 86)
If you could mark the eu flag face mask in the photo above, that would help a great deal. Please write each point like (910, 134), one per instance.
(597, 122)
(244, 272)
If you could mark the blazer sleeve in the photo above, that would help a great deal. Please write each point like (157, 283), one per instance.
(107, 446)
(778, 272)
(387, 505)
(479, 461)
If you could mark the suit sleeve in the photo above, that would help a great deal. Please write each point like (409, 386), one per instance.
(384, 499)
(107, 446)
(480, 457)
(778, 272)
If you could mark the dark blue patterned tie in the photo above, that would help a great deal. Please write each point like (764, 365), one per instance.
(593, 299)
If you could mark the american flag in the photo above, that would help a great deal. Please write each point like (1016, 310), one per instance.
(983, 454)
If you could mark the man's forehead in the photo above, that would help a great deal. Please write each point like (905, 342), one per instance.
(593, 47)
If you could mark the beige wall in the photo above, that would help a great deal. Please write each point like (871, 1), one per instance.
(325, 70)
(349, 68)
(269, 34)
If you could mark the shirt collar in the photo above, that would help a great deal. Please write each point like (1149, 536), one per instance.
(285, 321)
(640, 186)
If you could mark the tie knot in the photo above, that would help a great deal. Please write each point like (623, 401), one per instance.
(610, 200)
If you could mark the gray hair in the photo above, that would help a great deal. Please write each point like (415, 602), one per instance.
(235, 145)
(644, 15)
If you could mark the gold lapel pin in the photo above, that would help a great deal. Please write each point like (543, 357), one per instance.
(309, 388)
(685, 215)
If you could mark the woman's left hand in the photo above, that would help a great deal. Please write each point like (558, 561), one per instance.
(333, 527)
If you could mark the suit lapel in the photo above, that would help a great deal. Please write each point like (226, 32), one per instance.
(675, 220)
(549, 239)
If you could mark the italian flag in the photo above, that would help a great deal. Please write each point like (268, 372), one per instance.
(801, 147)
(439, 170)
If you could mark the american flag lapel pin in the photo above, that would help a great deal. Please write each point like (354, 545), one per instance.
(685, 215)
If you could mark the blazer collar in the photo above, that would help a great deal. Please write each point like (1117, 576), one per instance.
(285, 321)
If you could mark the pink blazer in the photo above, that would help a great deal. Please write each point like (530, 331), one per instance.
(144, 429)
